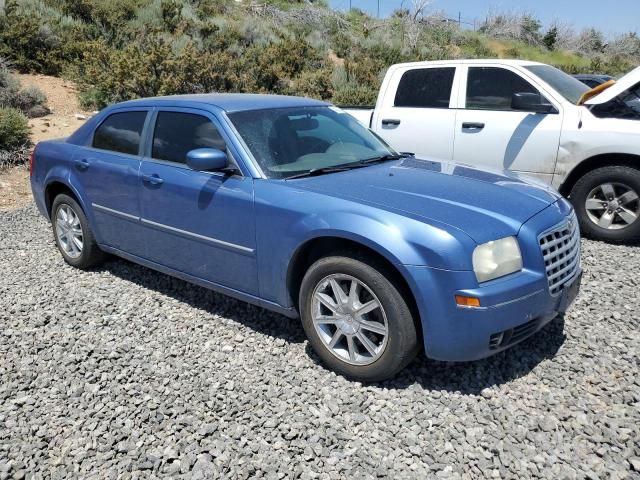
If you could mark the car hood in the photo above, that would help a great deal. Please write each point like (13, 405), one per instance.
(486, 205)
(630, 80)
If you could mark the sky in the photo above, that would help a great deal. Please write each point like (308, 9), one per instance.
(613, 16)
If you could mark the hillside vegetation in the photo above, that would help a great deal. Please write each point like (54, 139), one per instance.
(124, 49)
(17, 104)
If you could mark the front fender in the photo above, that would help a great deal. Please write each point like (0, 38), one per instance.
(400, 240)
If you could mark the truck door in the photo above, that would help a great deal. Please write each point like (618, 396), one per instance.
(489, 132)
(420, 116)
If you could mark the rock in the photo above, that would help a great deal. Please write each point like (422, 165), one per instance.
(121, 371)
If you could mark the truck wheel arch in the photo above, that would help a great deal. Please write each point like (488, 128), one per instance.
(597, 161)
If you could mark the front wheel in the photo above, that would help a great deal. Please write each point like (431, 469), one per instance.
(356, 320)
(607, 201)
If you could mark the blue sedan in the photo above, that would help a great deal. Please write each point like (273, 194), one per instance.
(292, 205)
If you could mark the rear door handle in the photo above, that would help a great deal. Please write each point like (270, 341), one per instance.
(81, 164)
(152, 179)
(473, 126)
(390, 121)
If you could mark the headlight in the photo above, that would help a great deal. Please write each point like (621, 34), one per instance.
(496, 259)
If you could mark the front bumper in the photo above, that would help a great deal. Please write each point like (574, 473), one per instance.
(512, 308)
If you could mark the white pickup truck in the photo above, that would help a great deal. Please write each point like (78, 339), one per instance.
(527, 117)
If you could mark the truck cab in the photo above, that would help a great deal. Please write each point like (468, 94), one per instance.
(526, 117)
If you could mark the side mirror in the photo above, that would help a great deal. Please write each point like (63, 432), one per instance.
(531, 102)
(207, 159)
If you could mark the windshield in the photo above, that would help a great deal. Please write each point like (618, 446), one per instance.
(625, 106)
(570, 88)
(292, 141)
(631, 98)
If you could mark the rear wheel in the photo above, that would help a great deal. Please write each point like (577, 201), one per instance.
(356, 319)
(73, 235)
(607, 201)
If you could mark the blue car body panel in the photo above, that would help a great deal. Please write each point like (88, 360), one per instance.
(239, 234)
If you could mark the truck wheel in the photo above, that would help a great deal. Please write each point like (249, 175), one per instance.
(608, 204)
(73, 235)
(356, 320)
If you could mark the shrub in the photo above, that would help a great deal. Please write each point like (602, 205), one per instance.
(30, 101)
(14, 157)
(355, 94)
(14, 129)
(314, 84)
(148, 68)
(37, 37)
(520, 27)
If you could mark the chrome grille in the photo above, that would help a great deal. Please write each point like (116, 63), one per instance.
(561, 252)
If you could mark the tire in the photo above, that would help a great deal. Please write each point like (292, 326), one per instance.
(394, 348)
(68, 211)
(597, 187)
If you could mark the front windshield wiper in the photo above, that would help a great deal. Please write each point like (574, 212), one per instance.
(314, 172)
(384, 158)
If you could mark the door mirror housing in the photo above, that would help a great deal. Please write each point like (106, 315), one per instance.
(207, 159)
(531, 102)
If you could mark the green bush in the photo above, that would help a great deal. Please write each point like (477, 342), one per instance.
(39, 38)
(30, 101)
(313, 84)
(14, 129)
(355, 94)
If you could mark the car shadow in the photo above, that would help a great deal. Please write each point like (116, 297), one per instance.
(256, 318)
(471, 378)
(468, 378)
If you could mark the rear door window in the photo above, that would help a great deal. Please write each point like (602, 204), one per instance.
(492, 88)
(120, 132)
(176, 133)
(425, 88)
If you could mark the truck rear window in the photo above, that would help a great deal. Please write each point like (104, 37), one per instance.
(425, 88)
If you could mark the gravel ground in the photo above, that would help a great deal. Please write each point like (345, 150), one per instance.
(124, 372)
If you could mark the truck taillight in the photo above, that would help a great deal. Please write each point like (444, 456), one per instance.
(31, 165)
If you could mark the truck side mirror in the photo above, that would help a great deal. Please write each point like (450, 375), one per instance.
(531, 102)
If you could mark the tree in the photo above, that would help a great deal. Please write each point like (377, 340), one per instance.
(550, 38)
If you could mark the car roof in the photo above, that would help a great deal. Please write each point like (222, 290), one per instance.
(228, 102)
(491, 61)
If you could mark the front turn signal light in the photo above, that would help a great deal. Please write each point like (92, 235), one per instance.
(463, 301)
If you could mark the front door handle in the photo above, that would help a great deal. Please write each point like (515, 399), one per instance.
(472, 126)
(390, 121)
(81, 164)
(152, 179)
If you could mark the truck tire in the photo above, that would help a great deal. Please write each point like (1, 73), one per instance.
(608, 205)
(73, 235)
(356, 320)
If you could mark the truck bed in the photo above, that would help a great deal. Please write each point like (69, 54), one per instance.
(361, 113)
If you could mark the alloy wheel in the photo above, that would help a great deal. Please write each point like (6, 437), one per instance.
(349, 319)
(69, 231)
(613, 206)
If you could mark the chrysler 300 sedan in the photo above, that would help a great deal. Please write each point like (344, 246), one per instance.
(292, 205)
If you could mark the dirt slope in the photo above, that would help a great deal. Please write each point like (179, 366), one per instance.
(63, 103)
(65, 117)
